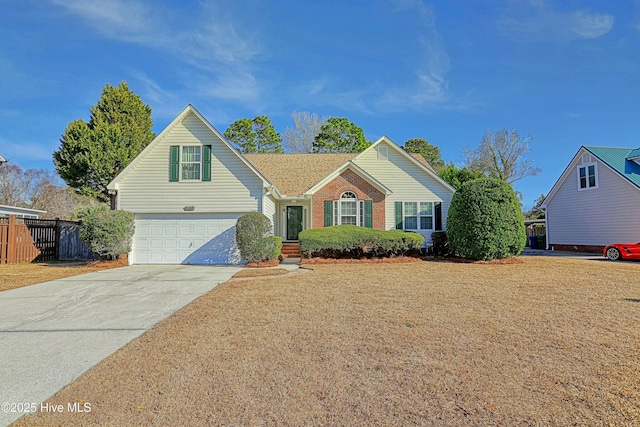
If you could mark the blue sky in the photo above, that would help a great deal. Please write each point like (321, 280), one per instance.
(565, 72)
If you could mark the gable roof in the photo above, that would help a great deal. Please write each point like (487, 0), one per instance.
(616, 159)
(294, 174)
(358, 171)
(415, 158)
(422, 160)
(189, 109)
(2, 160)
(635, 154)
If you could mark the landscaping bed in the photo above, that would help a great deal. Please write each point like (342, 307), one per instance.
(551, 341)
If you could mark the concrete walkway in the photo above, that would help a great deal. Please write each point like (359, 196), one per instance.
(51, 333)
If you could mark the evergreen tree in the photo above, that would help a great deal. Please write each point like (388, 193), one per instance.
(92, 154)
(255, 135)
(430, 152)
(457, 176)
(339, 135)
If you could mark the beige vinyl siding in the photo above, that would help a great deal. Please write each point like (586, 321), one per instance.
(269, 210)
(407, 181)
(597, 216)
(234, 187)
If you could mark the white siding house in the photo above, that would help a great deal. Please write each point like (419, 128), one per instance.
(595, 201)
(188, 187)
(20, 212)
(412, 183)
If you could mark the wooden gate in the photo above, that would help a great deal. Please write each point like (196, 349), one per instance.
(16, 243)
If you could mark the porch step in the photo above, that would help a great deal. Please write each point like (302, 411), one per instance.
(291, 250)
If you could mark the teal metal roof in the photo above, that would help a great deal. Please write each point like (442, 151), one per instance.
(616, 158)
(634, 154)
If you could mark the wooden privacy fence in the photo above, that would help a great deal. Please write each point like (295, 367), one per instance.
(27, 240)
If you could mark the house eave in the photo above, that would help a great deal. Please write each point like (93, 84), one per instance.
(356, 169)
(409, 157)
(179, 118)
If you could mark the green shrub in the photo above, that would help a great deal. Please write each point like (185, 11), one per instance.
(440, 243)
(353, 241)
(106, 232)
(253, 237)
(274, 247)
(485, 221)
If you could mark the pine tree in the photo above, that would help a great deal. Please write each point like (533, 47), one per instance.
(255, 135)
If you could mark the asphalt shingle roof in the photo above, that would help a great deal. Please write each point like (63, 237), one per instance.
(293, 174)
(616, 158)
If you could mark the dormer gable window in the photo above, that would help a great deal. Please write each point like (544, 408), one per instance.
(189, 163)
(587, 176)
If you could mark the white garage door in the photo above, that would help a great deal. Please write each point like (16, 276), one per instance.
(185, 239)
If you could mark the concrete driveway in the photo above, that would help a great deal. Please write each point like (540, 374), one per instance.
(51, 333)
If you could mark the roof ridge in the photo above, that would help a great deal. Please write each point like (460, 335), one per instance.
(610, 148)
(618, 162)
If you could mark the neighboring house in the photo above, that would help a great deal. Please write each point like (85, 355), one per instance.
(20, 212)
(189, 186)
(595, 201)
(2, 160)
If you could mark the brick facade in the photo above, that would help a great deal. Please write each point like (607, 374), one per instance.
(348, 181)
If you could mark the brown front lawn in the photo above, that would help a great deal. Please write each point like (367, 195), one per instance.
(17, 275)
(551, 341)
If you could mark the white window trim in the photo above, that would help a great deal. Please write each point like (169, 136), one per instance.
(418, 216)
(585, 166)
(182, 162)
(337, 210)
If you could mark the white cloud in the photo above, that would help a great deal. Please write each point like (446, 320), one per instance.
(208, 41)
(123, 20)
(429, 87)
(547, 24)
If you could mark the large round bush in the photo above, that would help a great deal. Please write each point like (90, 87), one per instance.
(254, 239)
(485, 221)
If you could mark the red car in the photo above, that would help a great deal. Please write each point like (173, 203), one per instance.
(616, 251)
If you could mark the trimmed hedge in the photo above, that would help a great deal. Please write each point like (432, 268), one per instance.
(485, 221)
(253, 238)
(341, 241)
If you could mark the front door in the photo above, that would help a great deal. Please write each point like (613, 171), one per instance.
(294, 222)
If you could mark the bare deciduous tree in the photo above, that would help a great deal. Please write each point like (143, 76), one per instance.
(500, 155)
(300, 137)
(37, 189)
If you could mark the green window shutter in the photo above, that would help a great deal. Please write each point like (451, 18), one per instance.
(206, 163)
(437, 213)
(174, 163)
(399, 216)
(368, 213)
(328, 213)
